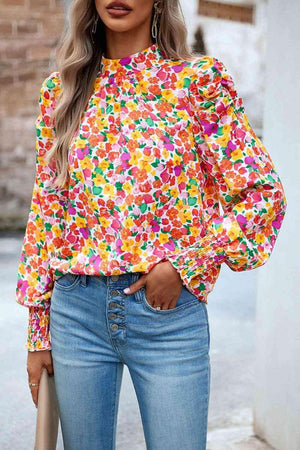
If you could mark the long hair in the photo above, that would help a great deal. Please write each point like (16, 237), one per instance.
(78, 60)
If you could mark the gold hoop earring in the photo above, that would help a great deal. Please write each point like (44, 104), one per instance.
(157, 12)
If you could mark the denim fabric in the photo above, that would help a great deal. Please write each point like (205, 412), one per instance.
(95, 329)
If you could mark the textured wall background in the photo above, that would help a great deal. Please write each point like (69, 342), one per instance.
(29, 30)
(241, 46)
(277, 394)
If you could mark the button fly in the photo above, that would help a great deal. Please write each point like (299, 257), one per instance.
(112, 315)
(113, 305)
(114, 326)
(114, 292)
(115, 277)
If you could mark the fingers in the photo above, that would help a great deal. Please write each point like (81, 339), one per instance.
(136, 286)
(34, 395)
(169, 305)
(36, 361)
(35, 380)
(163, 304)
(50, 370)
(49, 365)
(163, 293)
(157, 299)
(159, 294)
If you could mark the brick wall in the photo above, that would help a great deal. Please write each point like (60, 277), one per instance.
(29, 31)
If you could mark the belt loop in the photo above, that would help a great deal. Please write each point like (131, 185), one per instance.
(83, 280)
(135, 276)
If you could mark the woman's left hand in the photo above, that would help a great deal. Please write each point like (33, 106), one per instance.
(163, 285)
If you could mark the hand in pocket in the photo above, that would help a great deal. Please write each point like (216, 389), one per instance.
(162, 286)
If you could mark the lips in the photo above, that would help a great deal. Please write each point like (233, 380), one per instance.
(118, 4)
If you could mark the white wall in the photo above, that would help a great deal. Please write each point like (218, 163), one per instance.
(277, 399)
(241, 46)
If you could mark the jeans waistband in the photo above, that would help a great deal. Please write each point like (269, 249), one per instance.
(123, 278)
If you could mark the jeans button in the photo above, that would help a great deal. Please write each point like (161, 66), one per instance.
(112, 315)
(115, 277)
(114, 327)
(114, 292)
(113, 305)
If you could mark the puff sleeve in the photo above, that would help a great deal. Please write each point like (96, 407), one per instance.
(34, 278)
(241, 172)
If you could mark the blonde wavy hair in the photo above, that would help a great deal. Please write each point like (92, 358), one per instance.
(78, 59)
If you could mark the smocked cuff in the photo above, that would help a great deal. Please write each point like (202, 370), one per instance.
(38, 329)
(197, 260)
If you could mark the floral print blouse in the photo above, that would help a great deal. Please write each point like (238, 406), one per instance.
(163, 166)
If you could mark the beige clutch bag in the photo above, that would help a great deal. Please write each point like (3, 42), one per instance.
(47, 414)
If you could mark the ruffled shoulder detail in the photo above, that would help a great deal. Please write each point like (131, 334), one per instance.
(213, 87)
(212, 79)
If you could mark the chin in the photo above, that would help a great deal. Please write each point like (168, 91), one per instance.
(117, 28)
(119, 23)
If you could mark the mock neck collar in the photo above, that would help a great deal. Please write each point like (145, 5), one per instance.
(136, 61)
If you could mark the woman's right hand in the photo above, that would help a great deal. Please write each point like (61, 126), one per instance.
(36, 360)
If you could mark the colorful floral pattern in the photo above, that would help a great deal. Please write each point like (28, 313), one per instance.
(161, 145)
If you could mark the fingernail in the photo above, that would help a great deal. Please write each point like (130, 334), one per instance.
(126, 291)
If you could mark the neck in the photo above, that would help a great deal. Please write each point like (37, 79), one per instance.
(119, 45)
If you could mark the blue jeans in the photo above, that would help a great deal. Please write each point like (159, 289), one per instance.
(95, 329)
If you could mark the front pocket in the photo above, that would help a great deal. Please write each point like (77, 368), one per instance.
(185, 300)
(67, 281)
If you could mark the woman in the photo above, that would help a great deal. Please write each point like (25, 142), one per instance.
(138, 141)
